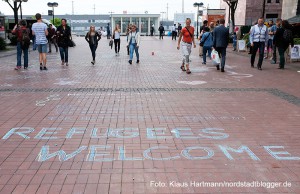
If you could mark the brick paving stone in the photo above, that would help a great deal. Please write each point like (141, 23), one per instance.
(69, 116)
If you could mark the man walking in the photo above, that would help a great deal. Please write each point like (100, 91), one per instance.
(52, 38)
(205, 24)
(39, 29)
(161, 30)
(272, 32)
(174, 32)
(258, 40)
(221, 37)
(179, 29)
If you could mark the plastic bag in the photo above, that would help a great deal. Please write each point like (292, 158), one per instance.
(215, 57)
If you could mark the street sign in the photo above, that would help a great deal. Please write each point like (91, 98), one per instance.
(50, 12)
(200, 13)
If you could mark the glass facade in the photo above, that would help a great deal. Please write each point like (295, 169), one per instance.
(144, 25)
(125, 23)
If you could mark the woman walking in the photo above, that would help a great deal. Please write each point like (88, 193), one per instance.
(187, 37)
(133, 42)
(63, 41)
(207, 43)
(117, 39)
(93, 37)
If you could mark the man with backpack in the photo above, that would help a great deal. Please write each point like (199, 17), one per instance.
(23, 42)
(161, 30)
(283, 38)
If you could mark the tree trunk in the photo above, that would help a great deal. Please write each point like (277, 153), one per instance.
(264, 9)
(232, 16)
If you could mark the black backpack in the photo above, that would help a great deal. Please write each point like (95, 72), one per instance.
(287, 36)
(25, 39)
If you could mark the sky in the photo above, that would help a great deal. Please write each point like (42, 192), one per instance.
(105, 6)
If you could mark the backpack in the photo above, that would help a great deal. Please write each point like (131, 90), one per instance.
(287, 36)
(25, 39)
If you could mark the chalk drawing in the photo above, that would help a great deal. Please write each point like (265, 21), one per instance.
(6, 85)
(186, 153)
(240, 150)
(44, 154)
(65, 81)
(239, 75)
(123, 157)
(193, 83)
(275, 154)
(45, 131)
(93, 154)
(146, 153)
(49, 98)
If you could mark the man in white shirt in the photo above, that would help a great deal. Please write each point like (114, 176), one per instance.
(174, 32)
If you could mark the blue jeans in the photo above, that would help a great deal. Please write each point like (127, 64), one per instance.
(281, 51)
(64, 55)
(93, 48)
(134, 48)
(261, 47)
(205, 49)
(19, 55)
(222, 53)
(34, 43)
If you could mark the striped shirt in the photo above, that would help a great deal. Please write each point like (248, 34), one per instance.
(39, 29)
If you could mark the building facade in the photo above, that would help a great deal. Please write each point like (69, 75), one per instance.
(142, 21)
(290, 8)
(248, 11)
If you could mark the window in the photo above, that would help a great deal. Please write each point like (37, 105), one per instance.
(269, 1)
(277, 1)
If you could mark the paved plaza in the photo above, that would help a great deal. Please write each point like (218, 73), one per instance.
(148, 127)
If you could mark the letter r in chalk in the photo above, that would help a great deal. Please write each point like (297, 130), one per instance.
(21, 131)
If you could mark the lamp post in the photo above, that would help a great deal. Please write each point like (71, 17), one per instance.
(54, 4)
(162, 17)
(198, 5)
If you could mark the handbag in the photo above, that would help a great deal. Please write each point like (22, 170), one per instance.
(111, 42)
(202, 43)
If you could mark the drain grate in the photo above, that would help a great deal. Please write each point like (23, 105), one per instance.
(275, 92)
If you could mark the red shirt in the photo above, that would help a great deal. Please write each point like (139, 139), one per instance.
(186, 35)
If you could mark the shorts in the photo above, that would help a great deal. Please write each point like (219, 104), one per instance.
(42, 48)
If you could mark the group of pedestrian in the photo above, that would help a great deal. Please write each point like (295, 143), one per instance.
(277, 38)
(43, 35)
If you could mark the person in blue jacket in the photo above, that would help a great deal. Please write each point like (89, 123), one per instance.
(207, 41)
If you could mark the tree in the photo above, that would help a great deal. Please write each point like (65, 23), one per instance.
(57, 22)
(264, 9)
(15, 7)
(232, 4)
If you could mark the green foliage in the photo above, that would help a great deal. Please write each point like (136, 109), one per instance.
(57, 22)
(297, 40)
(2, 44)
(246, 38)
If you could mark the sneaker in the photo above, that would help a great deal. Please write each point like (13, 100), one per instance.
(93, 62)
(17, 68)
(41, 67)
(45, 68)
(130, 62)
(273, 62)
(265, 57)
(62, 63)
(138, 61)
(25, 67)
(67, 64)
(204, 63)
